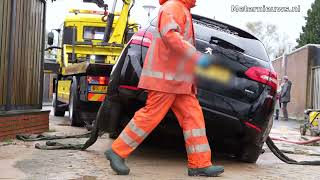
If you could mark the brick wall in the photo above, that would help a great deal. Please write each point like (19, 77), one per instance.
(33, 123)
(297, 71)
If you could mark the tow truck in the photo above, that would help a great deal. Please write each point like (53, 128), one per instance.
(91, 42)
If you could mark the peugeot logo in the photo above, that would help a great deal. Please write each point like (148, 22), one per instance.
(209, 50)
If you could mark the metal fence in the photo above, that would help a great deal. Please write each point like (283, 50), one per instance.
(22, 29)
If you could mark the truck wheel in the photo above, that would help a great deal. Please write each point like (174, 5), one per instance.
(74, 105)
(57, 111)
(250, 153)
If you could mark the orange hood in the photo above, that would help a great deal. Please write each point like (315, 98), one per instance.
(189, 3)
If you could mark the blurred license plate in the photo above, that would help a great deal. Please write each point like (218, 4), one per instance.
(98, 89)
(217, 73)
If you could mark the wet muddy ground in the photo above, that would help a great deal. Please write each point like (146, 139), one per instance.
(20, 160)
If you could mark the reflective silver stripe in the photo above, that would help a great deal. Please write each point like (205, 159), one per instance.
(151, 54)
(198, 148)
(191, 50)
(187, 29)
(155, 35)
(178, 77)
(167, 76)
(150, 73)
(183, 77)
(194, 133)
(188, 24)
(134, 128)
(186, 134)
(189, 79)
(198, 132)
(169, 27)
(128, 140)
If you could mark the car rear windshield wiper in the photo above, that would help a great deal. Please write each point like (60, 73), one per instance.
(225, 44)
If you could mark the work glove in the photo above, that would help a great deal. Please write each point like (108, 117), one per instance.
(204, 61)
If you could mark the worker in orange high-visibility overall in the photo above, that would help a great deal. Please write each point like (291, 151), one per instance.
(168, 76)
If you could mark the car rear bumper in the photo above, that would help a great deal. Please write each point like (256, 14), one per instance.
(254, 129)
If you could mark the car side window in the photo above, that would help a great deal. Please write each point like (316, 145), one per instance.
(132, 66)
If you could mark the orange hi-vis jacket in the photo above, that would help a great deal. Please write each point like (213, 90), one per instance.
(171, 58)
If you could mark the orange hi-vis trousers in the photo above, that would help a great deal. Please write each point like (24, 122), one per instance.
(189, 115)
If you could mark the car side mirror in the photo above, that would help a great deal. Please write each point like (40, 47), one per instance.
(50, 38)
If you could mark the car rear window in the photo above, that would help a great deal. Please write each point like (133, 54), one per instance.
(206, 28)
(250, 45)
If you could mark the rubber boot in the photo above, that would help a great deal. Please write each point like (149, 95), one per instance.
(117, 163)
(211, 171)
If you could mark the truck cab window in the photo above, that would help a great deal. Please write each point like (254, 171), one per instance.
(93, 33)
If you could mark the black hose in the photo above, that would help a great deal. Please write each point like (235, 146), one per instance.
(277, 152)
(23, 137)
(95, 130)
(93, 135)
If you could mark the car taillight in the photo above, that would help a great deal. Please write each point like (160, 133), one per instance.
(263, 75)
(142, 38)
(101, 80)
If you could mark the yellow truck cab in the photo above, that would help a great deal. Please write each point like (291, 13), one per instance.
(87, 29)
(86, 58)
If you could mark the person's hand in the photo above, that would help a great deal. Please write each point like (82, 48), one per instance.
(204, 61)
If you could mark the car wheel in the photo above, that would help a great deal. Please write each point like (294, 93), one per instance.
(251, 153)
(57, 111)
(74, 104)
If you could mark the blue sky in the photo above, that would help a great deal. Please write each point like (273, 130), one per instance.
(289, 23)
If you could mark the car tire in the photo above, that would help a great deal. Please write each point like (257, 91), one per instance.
(57, 111)
(74, 105)
(250, 153)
